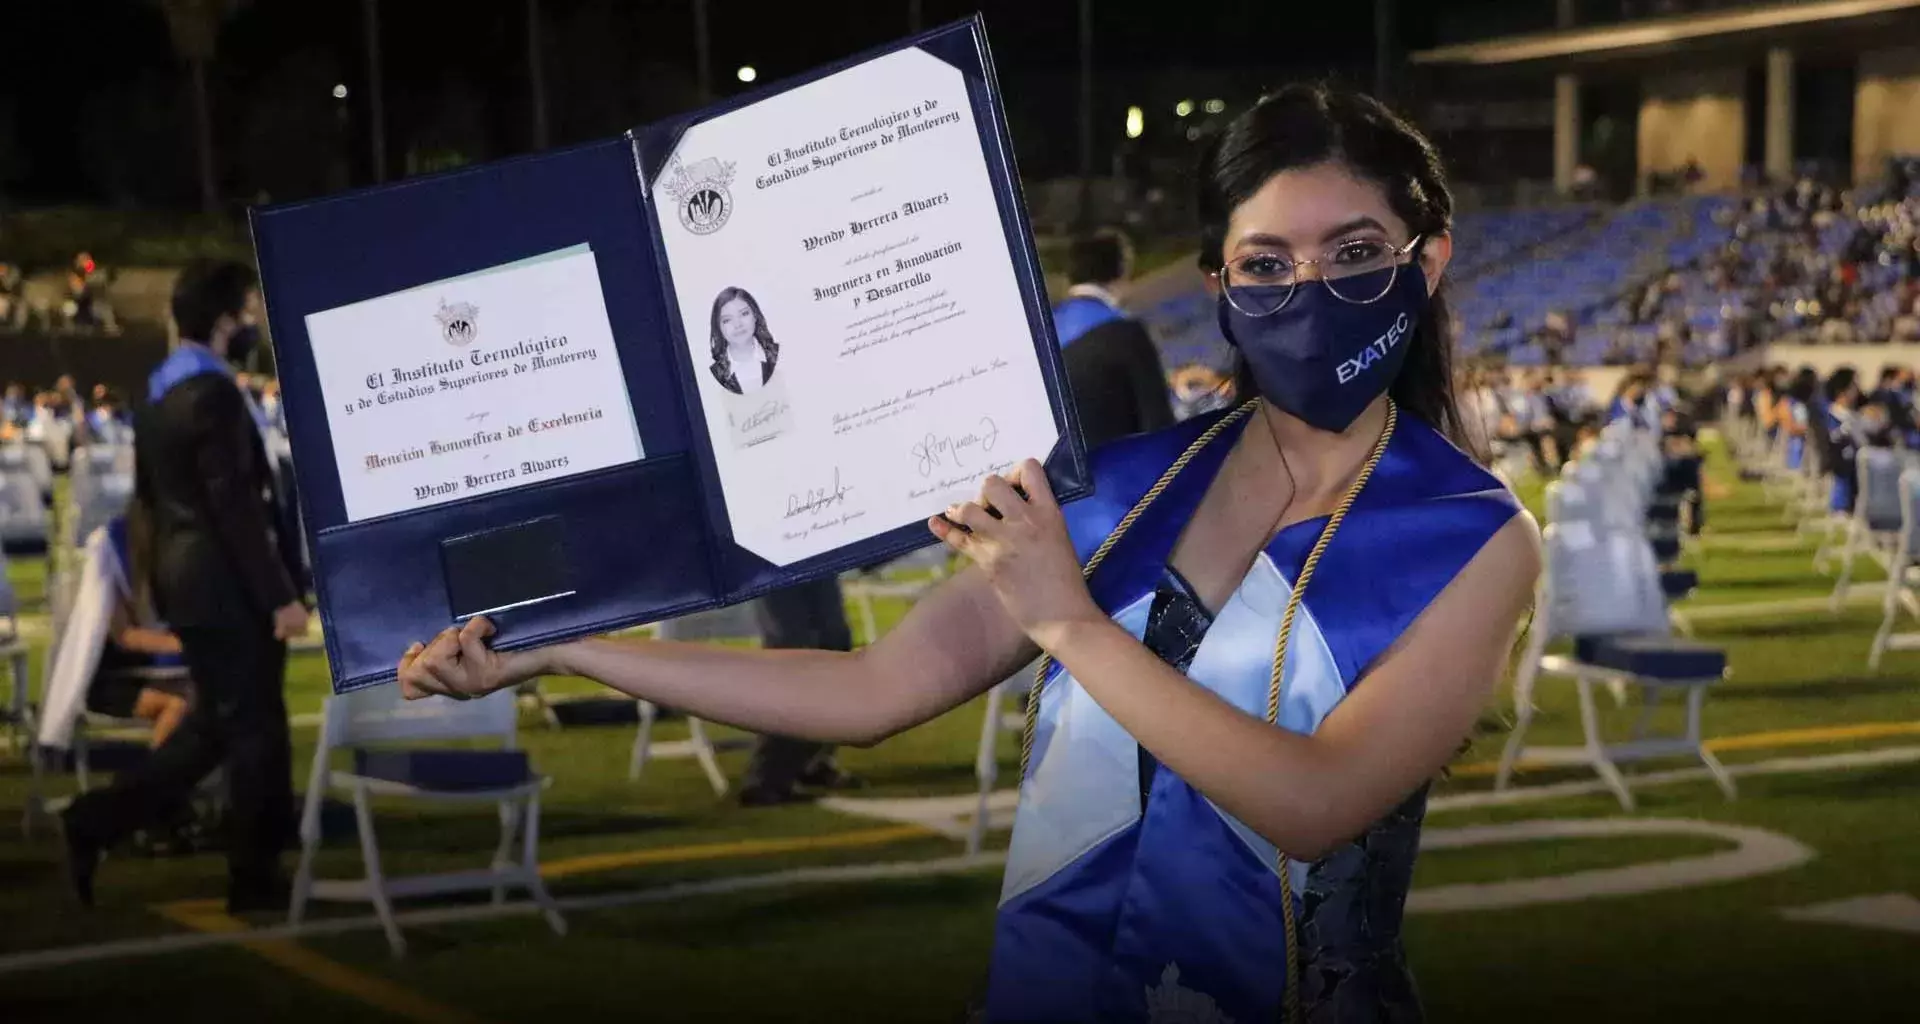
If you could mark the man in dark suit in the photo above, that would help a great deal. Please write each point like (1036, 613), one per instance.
(224, 582)
(1119, 386)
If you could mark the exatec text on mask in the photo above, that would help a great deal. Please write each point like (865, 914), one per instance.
(1374, 352)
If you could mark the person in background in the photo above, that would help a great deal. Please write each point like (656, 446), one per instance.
(15, 409)
(1534, 417)
(1576, 397)
(1794, 410)
(1119, 387)
(1769, 387)
(1630, 403)
(223, 580)
(136, 639)
(1199, 389)
(13, 312)
(1844, 435)
(107, 421)
(1894, 397)
(70, 404)
(1739, 398)
(809, 616)
(270, 405)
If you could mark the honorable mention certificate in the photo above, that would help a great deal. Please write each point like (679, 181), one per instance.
(471, 385)
(861, 352)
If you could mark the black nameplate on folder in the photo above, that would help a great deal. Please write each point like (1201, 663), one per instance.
(499, 570)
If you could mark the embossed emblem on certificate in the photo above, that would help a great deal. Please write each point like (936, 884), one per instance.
(700, 192)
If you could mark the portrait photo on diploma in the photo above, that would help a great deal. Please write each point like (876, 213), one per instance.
(745, 364)
(475, 384)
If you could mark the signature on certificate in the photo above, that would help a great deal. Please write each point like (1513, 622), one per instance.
(939, 450)
(817, 498)
(762, 416)
(477, 417)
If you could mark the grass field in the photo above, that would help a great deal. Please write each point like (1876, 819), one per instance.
(915, 948)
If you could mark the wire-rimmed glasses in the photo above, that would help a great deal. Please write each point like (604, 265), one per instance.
(1358, 271)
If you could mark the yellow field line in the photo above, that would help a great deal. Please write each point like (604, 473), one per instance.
(1814, 736)
(1752, 741)
(595, 862)
(210, 916)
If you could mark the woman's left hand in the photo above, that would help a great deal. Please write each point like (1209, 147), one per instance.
(1025, 552)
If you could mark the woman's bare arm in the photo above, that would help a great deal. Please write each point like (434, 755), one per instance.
(953, 645)
(140, 639)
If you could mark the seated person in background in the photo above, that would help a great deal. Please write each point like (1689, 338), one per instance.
(15, 410)
(1119, 387)
(1199, 389)
(1894, 397)
(136, 640)
(1843, 430)
(107, 420)
(1630, 403)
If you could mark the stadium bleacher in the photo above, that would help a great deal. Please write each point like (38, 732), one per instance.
(1711, 275)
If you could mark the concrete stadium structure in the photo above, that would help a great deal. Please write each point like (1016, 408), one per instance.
(1730, 88)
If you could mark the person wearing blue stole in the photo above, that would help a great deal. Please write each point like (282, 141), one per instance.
(1634, 404)
(1845, 430)
(1796, 411)
(1260, 639)
(1119, 386)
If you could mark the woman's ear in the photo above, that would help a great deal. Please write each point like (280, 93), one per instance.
(1434, 257)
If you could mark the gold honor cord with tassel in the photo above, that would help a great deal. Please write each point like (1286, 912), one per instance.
(1291, 996)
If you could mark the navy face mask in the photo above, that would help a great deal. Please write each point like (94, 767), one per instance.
(1321, 358)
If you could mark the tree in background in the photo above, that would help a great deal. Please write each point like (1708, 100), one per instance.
(195, 27)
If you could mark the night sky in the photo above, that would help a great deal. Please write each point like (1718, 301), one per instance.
(113, 123)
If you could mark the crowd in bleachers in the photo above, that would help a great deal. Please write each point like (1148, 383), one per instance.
(1697, 279)
(47, 431)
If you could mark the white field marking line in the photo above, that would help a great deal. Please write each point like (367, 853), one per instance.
(1775, 766)
(1759, 852)
(1756, 852)
(71, 955)
(1757, 543)
(952, 815)
(1893, 912)
(1861, 594)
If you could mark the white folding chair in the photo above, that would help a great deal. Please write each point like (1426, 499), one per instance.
(79, 633)
(1601, 588)
(23, 510)
(369, 722)
(17, 715)
(1873, 529)
(734, 622)
(1901, 594)
(986, 762)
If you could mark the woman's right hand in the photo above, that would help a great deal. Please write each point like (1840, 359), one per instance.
(459, 664)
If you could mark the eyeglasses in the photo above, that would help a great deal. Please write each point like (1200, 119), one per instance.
(1358, 271)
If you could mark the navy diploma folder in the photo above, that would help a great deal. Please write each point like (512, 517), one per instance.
(641, 539)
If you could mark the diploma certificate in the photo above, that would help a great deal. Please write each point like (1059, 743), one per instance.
(471, 385)
(839, 245)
